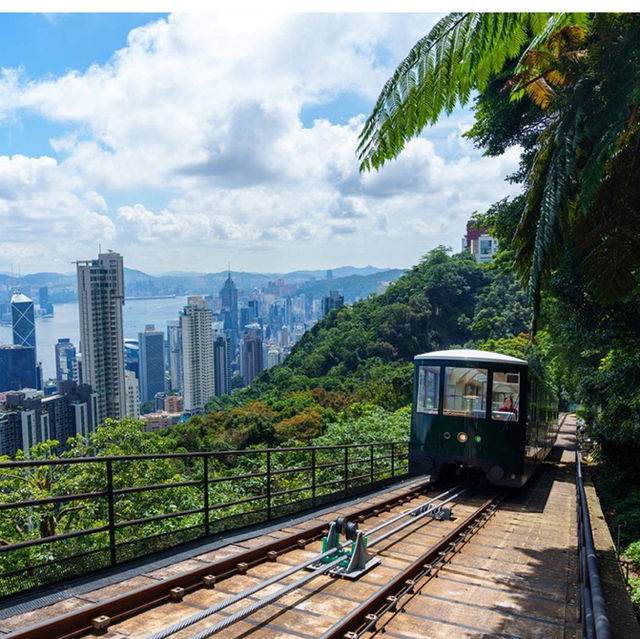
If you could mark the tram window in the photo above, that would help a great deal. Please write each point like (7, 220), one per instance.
(505, 396)
(465, 391)
(428, 389)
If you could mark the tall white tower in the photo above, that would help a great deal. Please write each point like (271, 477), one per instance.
(100, 302)
(197, 354)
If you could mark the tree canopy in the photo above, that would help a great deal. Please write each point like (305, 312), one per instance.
(568, 89)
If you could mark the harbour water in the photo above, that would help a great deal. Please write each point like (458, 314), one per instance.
(137, 313)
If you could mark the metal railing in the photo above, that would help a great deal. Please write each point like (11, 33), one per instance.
(63, 517)
(593, 612)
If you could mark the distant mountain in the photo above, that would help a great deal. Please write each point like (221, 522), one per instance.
(62, 287)
(352, 287)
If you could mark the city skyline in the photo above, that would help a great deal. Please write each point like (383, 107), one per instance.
(212, 163)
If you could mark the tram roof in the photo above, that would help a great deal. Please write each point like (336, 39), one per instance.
(467, 354)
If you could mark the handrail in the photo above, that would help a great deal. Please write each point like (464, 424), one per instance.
(593, 611)
(209, 453)
(134, 518)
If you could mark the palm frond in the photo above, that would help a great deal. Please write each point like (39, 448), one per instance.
(552, 185)
(461, 53)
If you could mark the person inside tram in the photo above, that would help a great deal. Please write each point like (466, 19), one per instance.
(508, 406)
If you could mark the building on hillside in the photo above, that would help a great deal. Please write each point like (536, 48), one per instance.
(17, 367)
(157, 421)
(479, 243)
(65, 354)
(222, 366)
(133, 394)
(197, 355)
(332, 301)
(174, 404)
(100, 302)
(152, 377)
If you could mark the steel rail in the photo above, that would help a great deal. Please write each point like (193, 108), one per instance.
(76, 623)
(378, 600)
(199, 616)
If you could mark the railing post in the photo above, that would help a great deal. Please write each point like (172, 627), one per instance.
(393, 459)
(268, 484)
(346, 469)
(372, 463)
(111, 510)
(205, 479)
(313, 476)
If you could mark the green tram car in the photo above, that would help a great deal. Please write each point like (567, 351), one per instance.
(480, 413)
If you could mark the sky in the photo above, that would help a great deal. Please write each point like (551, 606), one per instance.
(189, 141)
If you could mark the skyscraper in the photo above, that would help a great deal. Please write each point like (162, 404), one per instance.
(65, 354)
(100, 302)
(222, 364)
(133, 394)
(152, 381)
(229, 304)
(197, 354)
(252, 357)
(175, 354)
(332, 301)
(23, 320)
(17, 367)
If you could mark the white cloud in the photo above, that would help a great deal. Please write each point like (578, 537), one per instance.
(201, 113)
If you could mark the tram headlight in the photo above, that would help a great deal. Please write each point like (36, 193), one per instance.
(462, 437)
(446, 434)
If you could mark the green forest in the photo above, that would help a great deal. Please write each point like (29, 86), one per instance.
(563, 292)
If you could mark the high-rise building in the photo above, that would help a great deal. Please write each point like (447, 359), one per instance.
(332, 301)
(23, 320)
(100, 302)
(43, 298)
(28, 418)
(175, 354)
(222, 364)
(229, 304)
(77, 368)
(65, 354)
(132, 356)
(17, 367)
(197, 355)
(252, 358)
(133, 394)
(152, 380)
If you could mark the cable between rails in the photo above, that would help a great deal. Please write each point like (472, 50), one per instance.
(245, 612)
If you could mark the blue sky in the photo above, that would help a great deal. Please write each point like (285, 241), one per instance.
(50, 45)
(185, 141)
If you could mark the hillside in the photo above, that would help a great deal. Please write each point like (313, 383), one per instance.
(361, 355)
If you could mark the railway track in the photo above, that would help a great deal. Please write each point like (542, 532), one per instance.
(232, 595)
(498, 567)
